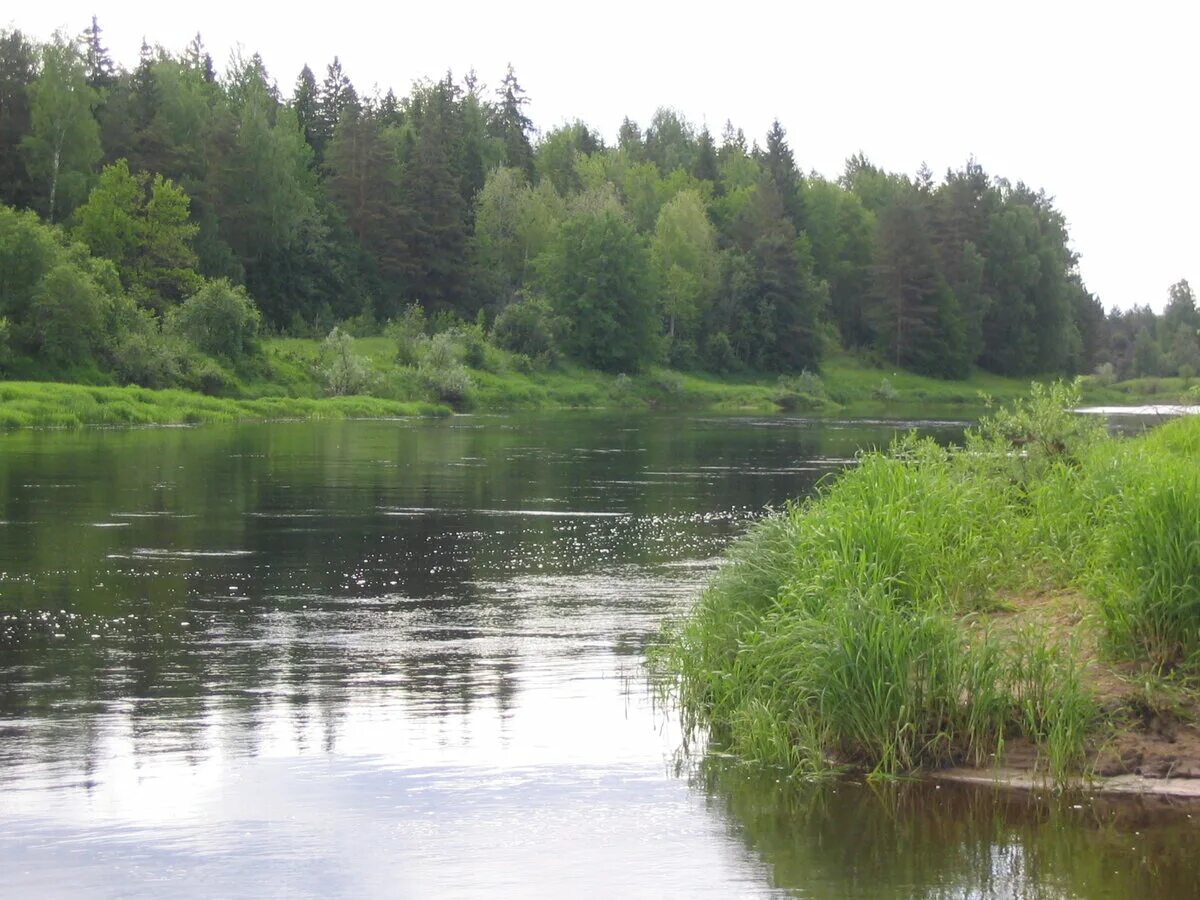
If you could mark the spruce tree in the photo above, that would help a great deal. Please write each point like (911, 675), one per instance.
(18, 70)
(101, 71)
(513, 125)
(781, 167)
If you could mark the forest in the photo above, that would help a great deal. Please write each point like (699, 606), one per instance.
(157, 222)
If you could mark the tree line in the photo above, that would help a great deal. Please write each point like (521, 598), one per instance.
(672, 245)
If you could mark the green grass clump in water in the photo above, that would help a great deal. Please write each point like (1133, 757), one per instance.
(851, 629)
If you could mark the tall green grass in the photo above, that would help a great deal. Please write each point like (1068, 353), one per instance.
(1151, 608)
(851, 629)
(49, 404)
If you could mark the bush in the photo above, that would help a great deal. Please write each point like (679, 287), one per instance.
(408, 332)
(803, 391)
(442, 371)
(208, 377)
(1105, 374)
(474, 343)
(529, 326)
(719, 354)
(362, 325)
(886, 392)
(67, 316)
(148, 358)
(220, 319)
(341, 369)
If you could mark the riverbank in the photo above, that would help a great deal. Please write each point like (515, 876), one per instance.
(51, 404)
(289, 381)
(1026, 601)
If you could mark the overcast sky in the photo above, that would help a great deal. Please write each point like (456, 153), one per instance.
(1095, 102)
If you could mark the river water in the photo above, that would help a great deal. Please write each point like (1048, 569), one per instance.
(404, 659)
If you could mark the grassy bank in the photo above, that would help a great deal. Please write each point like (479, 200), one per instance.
(1039, 588)
(290, 380)
(49, 404)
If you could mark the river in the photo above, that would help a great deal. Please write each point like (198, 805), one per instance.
(404, 659)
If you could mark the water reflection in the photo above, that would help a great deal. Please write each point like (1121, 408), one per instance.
(918, 839)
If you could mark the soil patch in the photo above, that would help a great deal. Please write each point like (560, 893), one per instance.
(1151, 743)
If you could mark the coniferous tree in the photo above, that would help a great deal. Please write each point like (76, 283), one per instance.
(364, 185)
(337, 95)
(704, 167)
(781, 167)
(306, 103)
(513, 125)
(435, 221)
(914, 314)
(101, 71)
(18, 71)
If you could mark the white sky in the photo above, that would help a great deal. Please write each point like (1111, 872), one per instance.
(1093, 101)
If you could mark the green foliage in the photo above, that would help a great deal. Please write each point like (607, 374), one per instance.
(529, 327)
(441, 369)
(220, 319)
(145, 356)
(64, 138)
(597, 274)
(5, 345)
(885, 392)
(1151, 605)
(726, 258)
(142, 225)
(1038, 432)
(846, 630)
(408, 332)
(343, 371)
(805, 391)
(66, 315)
(25, 404)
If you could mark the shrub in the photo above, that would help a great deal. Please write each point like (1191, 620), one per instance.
(803, 391)
(473, 340)
(220, 319)
(408, 332)
(886, 392)
(148, 358)
(442, 371)
(719, 354)
(530, 327)
(1105, 374)
(343, 371)
(67, 315)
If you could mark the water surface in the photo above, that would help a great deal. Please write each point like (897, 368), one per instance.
(404, 659)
